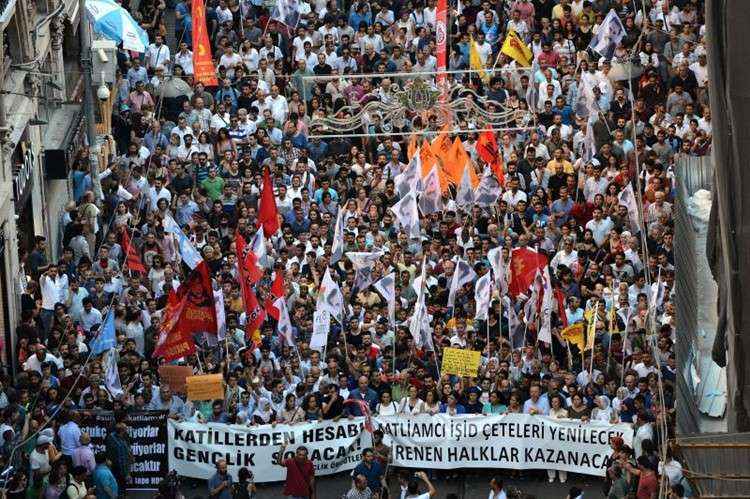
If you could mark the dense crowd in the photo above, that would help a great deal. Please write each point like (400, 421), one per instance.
(200, 159)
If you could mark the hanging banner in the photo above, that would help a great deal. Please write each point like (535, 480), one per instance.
(332, 446)
(512, 441)
(203, 66)
(147, 431)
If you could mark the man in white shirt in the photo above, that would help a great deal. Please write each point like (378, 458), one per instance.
(157, 54)
(513, 195)
(53, 287)
(277, 104)
(600, 227)
(157, 192)
(496, 489)
(34, 363)
(90, 316)
(229, 59)
(566, 256)
(184, 58)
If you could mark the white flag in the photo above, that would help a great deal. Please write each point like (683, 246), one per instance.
(258, 247)
(609, 35)
(362, 259)
(488, 190)
(330, 297)
(112, 374)
(420, 309)
(497, 262)
(287, 12)
(363, 263)
(407, 214)
(483, 296)
(221, 318)
(465, 194)
(187, 251)
(284, 325)
(387, 289)
(409, 180)
(431, 199)
(545, 329)
(462, 275)
(626, 198)
(321, 326)
(337, 247)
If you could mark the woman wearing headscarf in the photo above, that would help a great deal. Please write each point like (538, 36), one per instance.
(602, 412)
(264, 413)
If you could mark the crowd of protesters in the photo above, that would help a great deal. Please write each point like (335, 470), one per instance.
(200, 159)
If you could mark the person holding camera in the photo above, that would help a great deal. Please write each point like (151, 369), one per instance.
(412, 489)
(245, 486)
(220, 485)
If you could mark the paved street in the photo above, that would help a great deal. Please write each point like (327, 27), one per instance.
(469, 485)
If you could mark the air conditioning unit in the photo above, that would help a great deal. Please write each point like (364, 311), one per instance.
(104, 61)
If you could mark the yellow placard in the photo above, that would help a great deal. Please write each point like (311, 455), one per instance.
(460, 362)
(206, 387)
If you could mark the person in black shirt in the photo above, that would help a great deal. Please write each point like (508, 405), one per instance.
(332, 404)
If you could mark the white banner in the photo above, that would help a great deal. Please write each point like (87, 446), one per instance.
(513, 441)
(333, 447)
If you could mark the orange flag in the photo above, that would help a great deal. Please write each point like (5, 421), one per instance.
(412, 148)
(457, 159)
(203, 66)
(426, 157)
(441, 144)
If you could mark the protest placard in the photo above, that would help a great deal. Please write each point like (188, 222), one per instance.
(460, 362)
(175, 376)
(205, 387)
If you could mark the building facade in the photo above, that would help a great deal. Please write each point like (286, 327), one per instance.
(41, 131)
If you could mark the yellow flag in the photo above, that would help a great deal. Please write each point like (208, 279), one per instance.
(592, 317)
(475, 60)
(574, 335)
(514, 47)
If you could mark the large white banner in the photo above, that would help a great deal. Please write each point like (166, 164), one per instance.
(333, 446)
(514, 441)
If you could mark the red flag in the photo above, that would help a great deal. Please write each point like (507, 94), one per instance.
(524, 264)
(199, 314)
(277, 291)
(268, 215)
(560, 297)
(254, 315)
(132, 260)
(203, 66)
(174, 342)
(488, 150)
(248, 273)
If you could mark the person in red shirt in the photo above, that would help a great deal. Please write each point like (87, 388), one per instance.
(648, 481)
(300, 474)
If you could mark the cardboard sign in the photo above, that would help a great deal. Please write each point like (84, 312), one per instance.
(206, 387)
(460, 362)
(175, 376)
